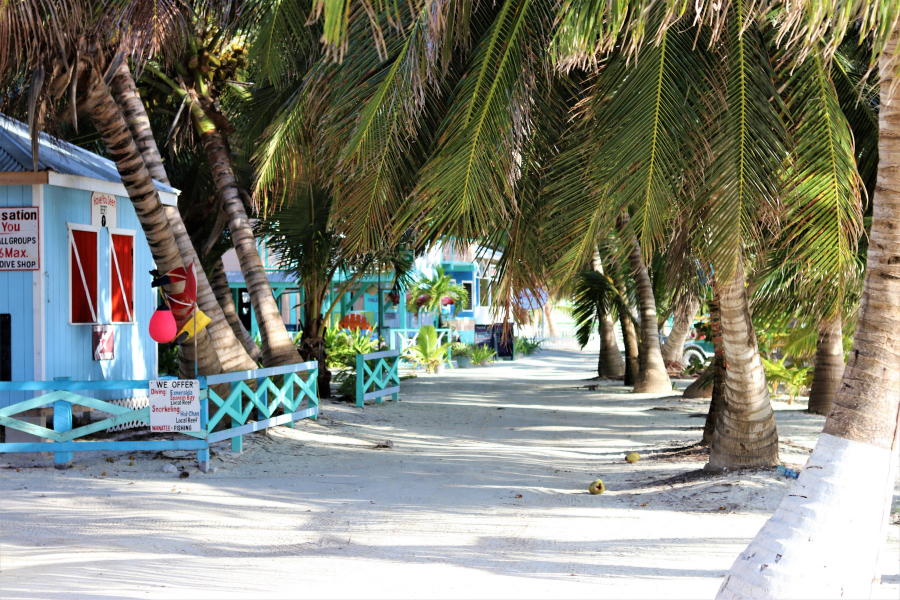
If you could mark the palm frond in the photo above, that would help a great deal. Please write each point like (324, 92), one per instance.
(466, 186)
(824, 218)
(748, 147)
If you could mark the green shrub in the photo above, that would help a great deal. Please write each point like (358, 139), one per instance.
(461, 349)
(428, 350)
(481, 354)
(795, 378)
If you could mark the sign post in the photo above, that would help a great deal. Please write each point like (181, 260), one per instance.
(175, 405)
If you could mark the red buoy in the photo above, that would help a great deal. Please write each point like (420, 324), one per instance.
(162, 325)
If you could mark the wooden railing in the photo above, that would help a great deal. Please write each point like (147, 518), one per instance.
(267, 399)
(382, 379)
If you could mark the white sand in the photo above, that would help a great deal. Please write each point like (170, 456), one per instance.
(316, 512)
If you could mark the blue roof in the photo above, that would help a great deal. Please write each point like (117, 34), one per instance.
(54, 155)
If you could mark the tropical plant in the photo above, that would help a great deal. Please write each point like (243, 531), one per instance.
(527, 346)
(596, 302)
(301, 238)
(461, 349)
(342, 346)
(481, 354)
(432, 293)
(428, 351)
(794, 377)
(62, 55)
(709, 72)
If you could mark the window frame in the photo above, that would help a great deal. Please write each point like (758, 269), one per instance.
(70, 241)
(133, 234)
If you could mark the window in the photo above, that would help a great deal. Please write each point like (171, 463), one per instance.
(82, 273)
(121, 276)
(468, 286)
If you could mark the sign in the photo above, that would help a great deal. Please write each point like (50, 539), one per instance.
(506, 340)
(484, 335)
(103, 210)
(19, 250)
(104, 342)
(174, 405)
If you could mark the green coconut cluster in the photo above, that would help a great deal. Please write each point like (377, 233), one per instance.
(205, 58)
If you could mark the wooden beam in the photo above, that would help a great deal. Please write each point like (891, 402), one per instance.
(25, 178)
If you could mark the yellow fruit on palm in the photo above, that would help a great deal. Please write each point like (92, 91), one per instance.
(597, 487)
(632, 457)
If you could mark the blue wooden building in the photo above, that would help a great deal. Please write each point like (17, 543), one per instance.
(75, 295)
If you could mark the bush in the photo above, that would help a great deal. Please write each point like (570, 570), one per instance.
(168, 359)
(527, 346)
(481, 354)
(428, 350)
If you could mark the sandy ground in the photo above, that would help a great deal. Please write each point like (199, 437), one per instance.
(482, 495)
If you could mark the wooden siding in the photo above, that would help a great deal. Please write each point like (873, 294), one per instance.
(68, 348)
(16, 298)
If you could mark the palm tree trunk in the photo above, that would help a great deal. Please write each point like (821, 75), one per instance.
(110, 124)
(685, 310)
(652, 377)
(548, 316)
(610, 364)
(630, 340)
(278, 347)
(829, 366)
(231, 354)
(312, 340)
(219, 283)
(827, 536)
(719, 366)
(745, 435)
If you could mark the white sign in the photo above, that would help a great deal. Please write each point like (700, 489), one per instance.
(174, 405)
(103, 210)
(19, 250)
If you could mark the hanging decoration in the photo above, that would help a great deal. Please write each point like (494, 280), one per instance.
(162, 325)
(180, 296)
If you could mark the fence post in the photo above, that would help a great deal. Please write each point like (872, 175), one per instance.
(203, 455)
(314, 399)
(62, 421)
(396, 366)
(237, 442)
(260, 415)
(360, 380)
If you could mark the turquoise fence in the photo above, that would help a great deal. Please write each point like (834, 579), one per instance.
(382, 379)
(266, 399)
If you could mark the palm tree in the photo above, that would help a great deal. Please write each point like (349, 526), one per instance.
(597, 301)
(300, 236)
(208, 54)
(746, 155)
(431, 294)
(232, 354)
(686, 307)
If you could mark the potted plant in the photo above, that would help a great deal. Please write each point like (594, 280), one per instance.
(482, 354)
(428, 350)
(463, 354)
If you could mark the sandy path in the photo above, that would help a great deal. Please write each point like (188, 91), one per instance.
(316, 512)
